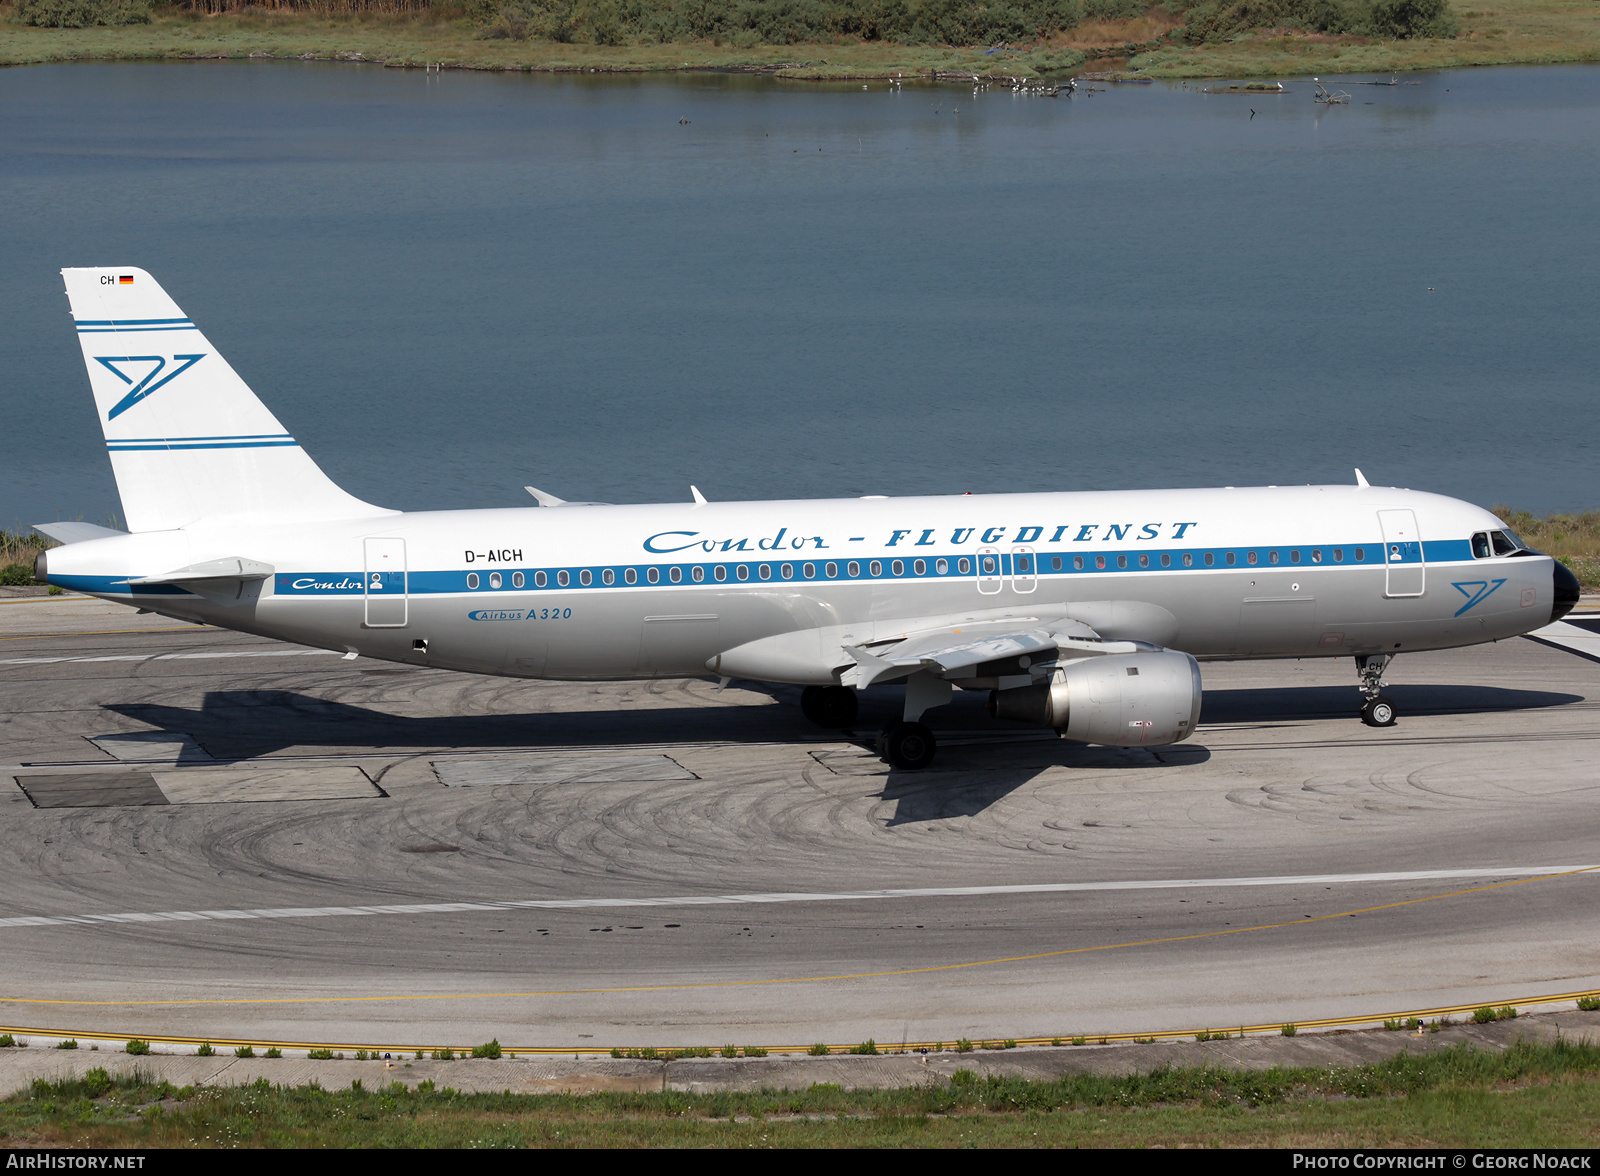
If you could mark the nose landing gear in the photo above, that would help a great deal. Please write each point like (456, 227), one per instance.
(1377, 710)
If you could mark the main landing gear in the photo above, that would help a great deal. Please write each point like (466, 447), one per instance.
(908, 744)
(1377, 710)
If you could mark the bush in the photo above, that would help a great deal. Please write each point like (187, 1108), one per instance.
(1290, 1030)
(245, 1051)
(963, 1045)
(82, 14)
(273, 1052)
(16, 575)
(869, 1046)
(489, 1049)
(69, 1043)
(963, 1078)
(819, 1050)
(205, 1050)
(755, 1051)
(1221, 20)
(7, 1041)
(138, 1047)
(320, 1055)
(1588, 1004)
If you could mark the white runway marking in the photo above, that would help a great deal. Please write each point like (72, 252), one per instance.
(142, 657)
(569, 904)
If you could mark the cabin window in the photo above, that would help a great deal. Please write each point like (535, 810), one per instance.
(809, 571)
(1251, 557)
(697, 573)
(1316, 555)
(831, 571)
(919, 566)
(1144, 561)
(764, 571)
(1055, 563)
(630, 576)
(517, 580)
(898, 567)
(1361, 554)
(1122, 561)
(1231, 559)
(853, 568)
(1504, 542)
(744, 572)
(963, 565)
(1480, 545)
(1077, 563)
(787, 571)
(875, 567)
(720, 572)
(675, 575)
(561, 578)
(472, 580)
(1294, 557)
(653, 575)
(540, 579)
(1338, 555)
(1021, 562)
(1188, 560)
(1272, 557)
(585, 578)
(494, 580)
(608, 577)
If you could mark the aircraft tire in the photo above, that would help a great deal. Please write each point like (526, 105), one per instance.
(1378, 712)
(829, 706)
(908, 746)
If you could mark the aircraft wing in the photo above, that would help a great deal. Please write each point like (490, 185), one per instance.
(1010, 647)
(1012, 642)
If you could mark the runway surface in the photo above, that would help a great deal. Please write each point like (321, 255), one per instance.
(207, 834)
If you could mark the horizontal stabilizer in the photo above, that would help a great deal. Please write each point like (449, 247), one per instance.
(71, 532)
(233, 568)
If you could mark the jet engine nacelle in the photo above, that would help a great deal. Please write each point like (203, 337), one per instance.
(1124, 700)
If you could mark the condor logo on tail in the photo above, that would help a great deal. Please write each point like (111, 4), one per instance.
(144, 387)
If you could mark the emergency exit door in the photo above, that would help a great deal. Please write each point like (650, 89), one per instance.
(385, 583)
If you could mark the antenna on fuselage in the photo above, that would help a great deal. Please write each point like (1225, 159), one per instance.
(1361, 479)
(543, 498)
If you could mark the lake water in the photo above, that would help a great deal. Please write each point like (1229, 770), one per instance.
(448, 286)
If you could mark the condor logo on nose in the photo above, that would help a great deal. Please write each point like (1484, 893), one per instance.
(145, 386)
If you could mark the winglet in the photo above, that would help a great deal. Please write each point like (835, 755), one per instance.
(1361, 479)
(698, 497)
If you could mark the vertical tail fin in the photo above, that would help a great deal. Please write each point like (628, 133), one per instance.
(187, 437)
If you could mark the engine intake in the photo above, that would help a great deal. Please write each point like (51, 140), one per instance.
(1125, 700)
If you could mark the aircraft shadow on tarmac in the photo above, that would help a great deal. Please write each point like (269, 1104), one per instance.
(238, 725)
(1332, 702)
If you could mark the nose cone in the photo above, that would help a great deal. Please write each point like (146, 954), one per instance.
(1567, 591)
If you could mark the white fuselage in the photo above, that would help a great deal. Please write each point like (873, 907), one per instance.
(598, 592)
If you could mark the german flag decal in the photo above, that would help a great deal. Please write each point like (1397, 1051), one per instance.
(125, 280)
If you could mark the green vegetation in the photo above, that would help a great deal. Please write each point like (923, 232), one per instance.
(138, 1046)
(1589, 1004)
(1574, 539)
(82, 14)
(824, 38)
(1530, 1095)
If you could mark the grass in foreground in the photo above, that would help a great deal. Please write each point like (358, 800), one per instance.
(1528, 1096)
(1490, 33)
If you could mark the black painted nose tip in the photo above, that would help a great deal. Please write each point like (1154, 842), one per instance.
(1567, 591)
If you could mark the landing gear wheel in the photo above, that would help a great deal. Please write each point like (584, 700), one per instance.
(909, 746)
(1378, 712)
(829, 706)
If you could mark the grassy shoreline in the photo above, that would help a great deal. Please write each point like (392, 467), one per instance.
(1499, 32)
(1529, 1095)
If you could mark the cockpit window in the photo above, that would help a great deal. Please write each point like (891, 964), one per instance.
(1480, 545)
(1505, 543)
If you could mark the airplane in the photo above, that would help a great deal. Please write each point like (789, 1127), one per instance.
(1083, 612)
